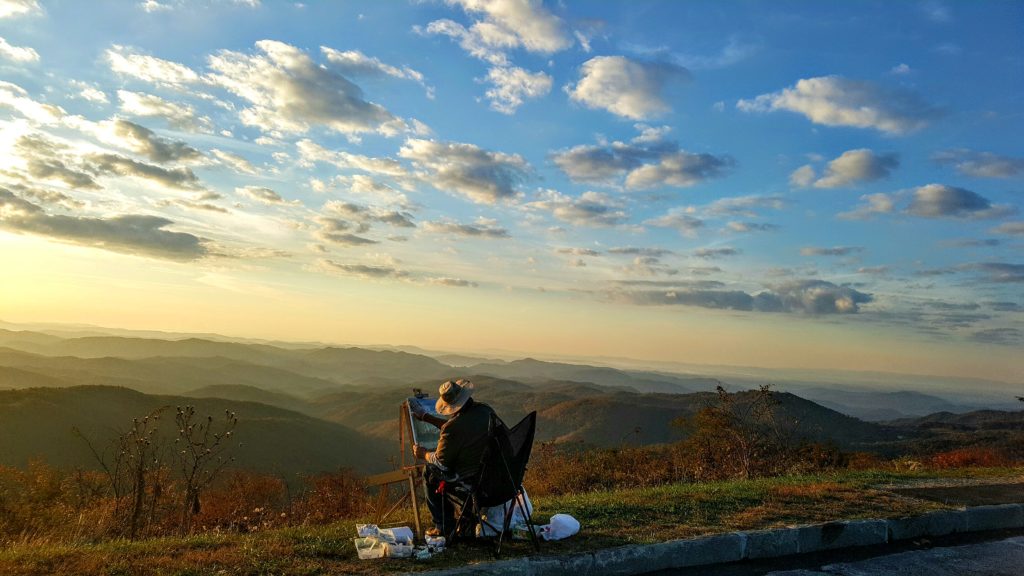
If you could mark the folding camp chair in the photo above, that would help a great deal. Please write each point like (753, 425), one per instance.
(498, 483)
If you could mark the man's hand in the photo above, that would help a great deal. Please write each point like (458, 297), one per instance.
(417, 410)
(419, 452)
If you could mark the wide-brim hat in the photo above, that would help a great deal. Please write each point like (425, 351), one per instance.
(452, 396)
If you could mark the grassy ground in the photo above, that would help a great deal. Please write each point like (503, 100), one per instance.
(608, 519)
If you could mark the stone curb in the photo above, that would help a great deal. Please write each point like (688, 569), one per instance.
(737, 546)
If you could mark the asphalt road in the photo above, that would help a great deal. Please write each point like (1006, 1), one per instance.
(999, 553)
(997, 558)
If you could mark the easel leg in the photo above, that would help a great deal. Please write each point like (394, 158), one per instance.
(415, 506)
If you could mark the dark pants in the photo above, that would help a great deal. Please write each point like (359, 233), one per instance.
(441, 509)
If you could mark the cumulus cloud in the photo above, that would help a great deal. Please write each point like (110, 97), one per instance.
(589, 209)
(16, 98)
(480, 175)
(261, 194)
(998, 272)
(751, 227)
(980, 164)
(745, 206)
(871, 205)
(335, 231)
(16, 8)
(679, 220)
(20, 54)
(833, 251)
(236, 162)
(355, 63)
(311, 152)
(627, 88)
(511, 86)
(640, 251)
(578, 251)
(451, 282)
(502, 25)
(180, 116)
(363, 270)
(1001, 336)
(816, 297)
(142, 140)
(182, 178)
(712, 253)
(1009, 228)
(647, 161)
(851, 168)
(837, 101)
(290, 93)
(133, 234)
(941, 201)
(48, 160)
(126, 62)
(478, 230)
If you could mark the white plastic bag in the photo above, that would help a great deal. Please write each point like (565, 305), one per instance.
(561, 526)
(495, 516)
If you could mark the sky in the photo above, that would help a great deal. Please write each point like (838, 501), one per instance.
(827, 185)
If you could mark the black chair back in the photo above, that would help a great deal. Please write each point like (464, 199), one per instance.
(504, 462)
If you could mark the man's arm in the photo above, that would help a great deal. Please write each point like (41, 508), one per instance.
(422, 415)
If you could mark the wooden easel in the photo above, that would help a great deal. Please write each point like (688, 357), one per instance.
(408, 478)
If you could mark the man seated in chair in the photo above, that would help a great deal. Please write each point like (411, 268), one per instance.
(459, 450)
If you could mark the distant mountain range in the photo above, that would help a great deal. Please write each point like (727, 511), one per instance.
(320, 407)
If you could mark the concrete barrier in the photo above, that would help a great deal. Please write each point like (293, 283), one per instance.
(934, 524)
(981, 518)
(734, 547)
(846, 534)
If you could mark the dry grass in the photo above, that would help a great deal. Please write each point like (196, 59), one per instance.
(609, 518)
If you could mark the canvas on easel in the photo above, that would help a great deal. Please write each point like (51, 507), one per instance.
(422, 433)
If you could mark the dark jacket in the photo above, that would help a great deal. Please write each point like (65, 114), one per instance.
(463, 439)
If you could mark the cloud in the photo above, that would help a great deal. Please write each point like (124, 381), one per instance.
(150, 69)
(480, 175)
(640, 251)
(649, 266)
(310, 152)
(182, 178)
(815, 297)
(578, 251)
(133, 234)
(941, 201)
(743, 205)
(13, 53)
(998, 272)
(834, 251)
(980, 164)
(479, 230)
(503, 25)
(49, 197)
(852, 167)
(452, 282)
(873, 204)
(89, 92)
(16, 98)
(733, 52)
(333, 230)
(290, 93)
(355, 63)
(713, 253)
(363, 270)
(647, 161)
(236, 162)
(900, 69)
(261, 194)
(679, 220)
(17, 8)
(627, 88)
(512, 86)
(1001, 336)
(46, 160)
(751, 227)
(589, 209)
(1009, 228)
(679, 170)
(180, 116)
(837, 101)
(972, 242)
(142, 140)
